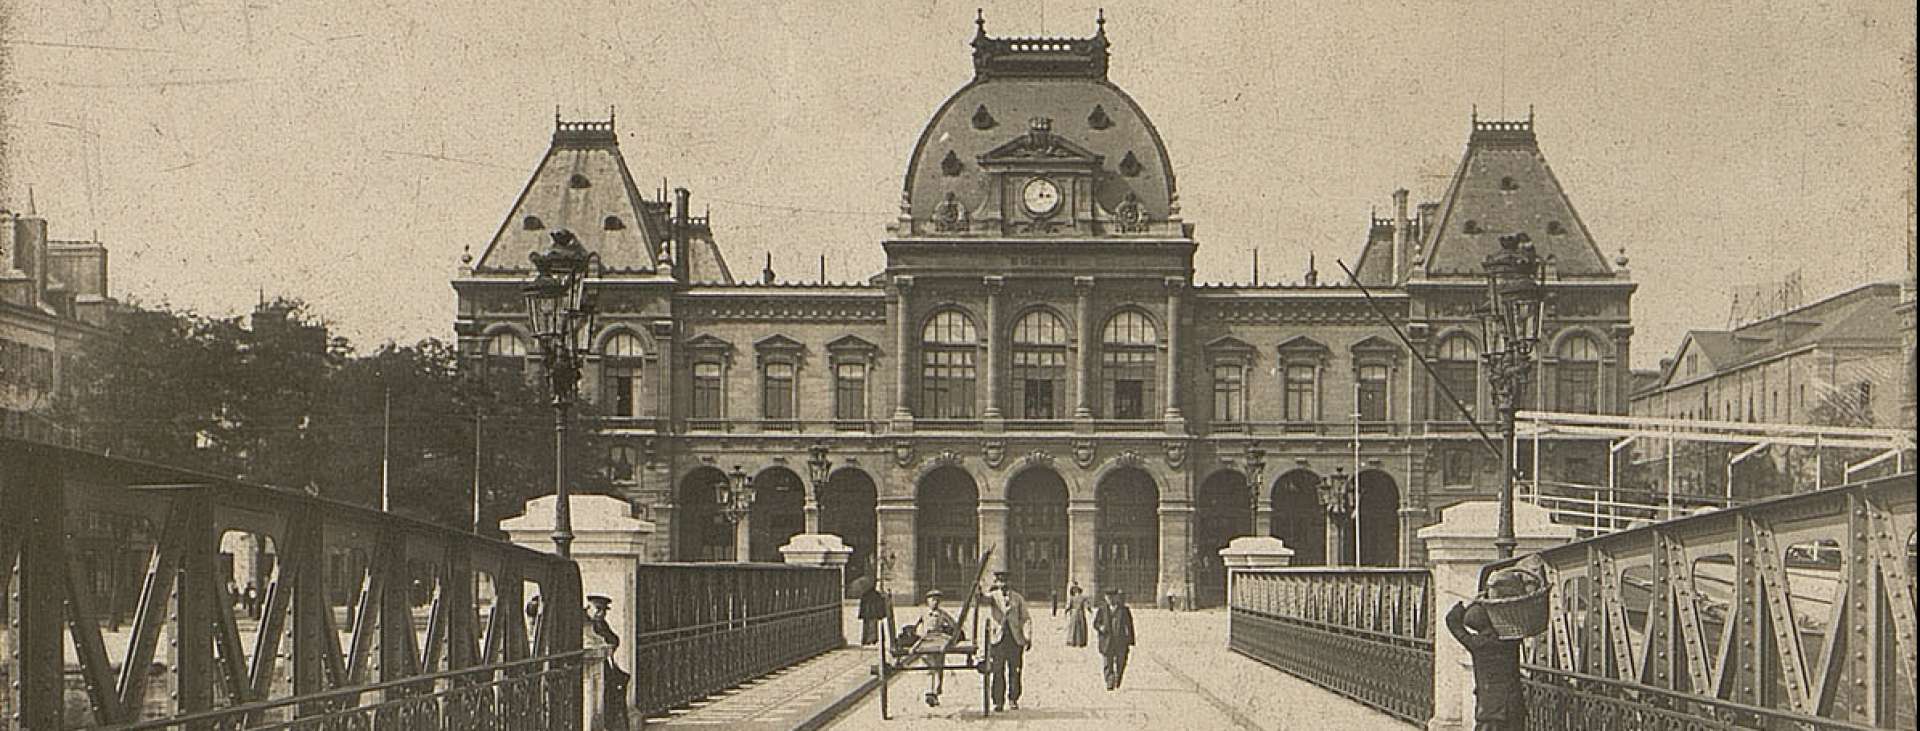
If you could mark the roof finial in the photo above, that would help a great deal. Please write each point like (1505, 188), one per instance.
(766, 274)
(1313, 273)
(556, 116)
(1475, 115)
(1100, 20)
(610, 115)
(980, 22)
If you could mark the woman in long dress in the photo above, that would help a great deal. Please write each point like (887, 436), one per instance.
(1076, 617)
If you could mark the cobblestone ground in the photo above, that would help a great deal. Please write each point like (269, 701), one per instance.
(1181, 676)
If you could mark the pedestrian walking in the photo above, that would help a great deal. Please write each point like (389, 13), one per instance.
(1076, 617)
(1007, 641)
(934, 634)
(252, 598)
(600, 634)
(1114, 622)
(873, 608)
(1498, 703)
(1053, 601)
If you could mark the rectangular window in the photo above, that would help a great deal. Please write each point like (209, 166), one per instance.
(946, 384)
(1129, 378)
(1373, 393)
(623, 390)
(1456, 468)
(850, 392)
(1229, 393)
(706, 390)
(1041, 376)
(776, 396)
(1462, 378)
(1302, 392)
(1578, 386)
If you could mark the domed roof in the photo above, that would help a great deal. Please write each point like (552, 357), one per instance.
(1058, 86)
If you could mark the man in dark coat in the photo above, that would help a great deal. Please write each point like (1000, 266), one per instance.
(1498, 704)
(614, 700)
(1114, 622)
(873, 608)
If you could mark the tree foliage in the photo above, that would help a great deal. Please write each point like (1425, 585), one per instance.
(279, 399)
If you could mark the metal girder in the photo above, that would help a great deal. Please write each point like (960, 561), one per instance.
(1616, 619)
(163, 569)
(1780, 617)
(1687, 615)
(95, 669)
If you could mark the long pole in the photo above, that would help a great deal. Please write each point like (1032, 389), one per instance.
(1504, 541)
(386, 448)
(476, 472)
(563, 504)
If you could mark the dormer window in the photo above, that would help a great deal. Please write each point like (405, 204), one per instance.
(1554, 227)
(579, 181)
(1508, 183)
(1471, 226)
(532, 223)
(613, 223)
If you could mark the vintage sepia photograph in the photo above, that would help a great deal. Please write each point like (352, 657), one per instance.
(852, 365)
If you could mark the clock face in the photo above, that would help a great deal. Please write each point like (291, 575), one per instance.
(1041, 196)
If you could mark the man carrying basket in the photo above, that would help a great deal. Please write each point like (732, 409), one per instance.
(1511, 598)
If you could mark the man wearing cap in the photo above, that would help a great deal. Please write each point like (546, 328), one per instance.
(1498, 703)
(1007, 641)
(1114, 622)
(600, 634)
(936, 630)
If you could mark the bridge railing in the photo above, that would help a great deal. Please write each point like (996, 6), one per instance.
(704, 628)
(124, 578)
(1794, 612)
(1364, 633)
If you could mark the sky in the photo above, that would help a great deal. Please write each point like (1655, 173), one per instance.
(347, 152)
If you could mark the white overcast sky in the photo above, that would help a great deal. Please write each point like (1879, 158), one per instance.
(346, 152)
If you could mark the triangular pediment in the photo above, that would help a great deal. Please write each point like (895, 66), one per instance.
(1374, 344)
(1229, 344)
(777, 343)
(1038, 147)
(709, 343)
(851, 344)
(1303, 344)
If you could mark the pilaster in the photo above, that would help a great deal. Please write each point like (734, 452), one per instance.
(1082, 516)
(993, 531)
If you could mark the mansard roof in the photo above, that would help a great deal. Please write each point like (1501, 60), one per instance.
(582, 184)
(1505, 186)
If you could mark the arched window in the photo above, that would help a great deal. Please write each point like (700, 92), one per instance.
(621, 366)
(506, 352)
(1457, 363)
(1040, 364)
(1577, 377)
(1127, 365)
(948, 347)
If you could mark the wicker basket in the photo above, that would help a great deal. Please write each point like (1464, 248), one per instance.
(1519, 617)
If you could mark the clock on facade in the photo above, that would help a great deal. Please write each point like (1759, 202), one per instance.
(1041, 196)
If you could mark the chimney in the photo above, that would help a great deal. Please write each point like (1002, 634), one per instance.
(1424, 218)
(682, 205)
(1401, 247)
(30, 255)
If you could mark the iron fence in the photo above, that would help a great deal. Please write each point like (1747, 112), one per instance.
(428, 615)
(703, 628)
(1366, 634)
(1795, 612)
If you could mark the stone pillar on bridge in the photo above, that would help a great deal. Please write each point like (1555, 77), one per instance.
(608, 545)
(819, 549)
(1457, 547)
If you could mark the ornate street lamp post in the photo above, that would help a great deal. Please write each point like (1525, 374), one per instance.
(1256, 465)
(1339, 498)
(560, 313)
(735, 496)
(1510, 326)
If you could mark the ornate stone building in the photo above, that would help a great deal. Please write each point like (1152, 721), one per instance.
(1036, 368)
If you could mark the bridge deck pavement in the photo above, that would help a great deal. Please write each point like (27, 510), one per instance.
(1181, 676)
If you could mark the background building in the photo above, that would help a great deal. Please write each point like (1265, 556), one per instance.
(53, 296)
(1036, 369)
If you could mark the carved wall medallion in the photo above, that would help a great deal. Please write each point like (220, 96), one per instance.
(948, 458)
(1176, 454)
(1128, 458)
(950, 216)
(1132, 215)
(1083, 453)
(995, 452)
(903, 453)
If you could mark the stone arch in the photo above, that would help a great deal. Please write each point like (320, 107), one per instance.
(607, 334)
(1072, 327)
(1378, 519)
(1298, 519)
(947, 530)
(1076, 488)
(1599, 339)
(700, 533)
(1223, 510)
(1036, 548)
(848, 503)
(1127, 532)
(778, 513)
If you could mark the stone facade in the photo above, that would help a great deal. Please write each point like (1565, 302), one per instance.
(1036, 369)
(53, 297)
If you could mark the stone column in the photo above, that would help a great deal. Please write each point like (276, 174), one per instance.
(1457, 547)
(608, 545)
(993, 531)
(1176, 423)
(1083, 379)
(895, 552)
(1081, 552)
(992, 415)
(810, 508)
(902, 349)
(1176, 529)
